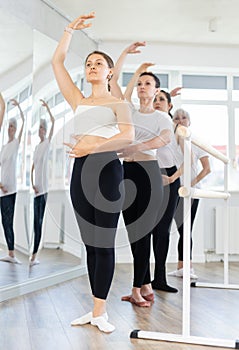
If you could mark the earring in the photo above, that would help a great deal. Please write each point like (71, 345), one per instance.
(109, 76)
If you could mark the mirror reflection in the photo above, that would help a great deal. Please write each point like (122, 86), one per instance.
(15, 101)
(39, 236)
(55, 243)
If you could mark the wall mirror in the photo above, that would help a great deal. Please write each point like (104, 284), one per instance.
(16, 83)
(60, 248)
(26, 75)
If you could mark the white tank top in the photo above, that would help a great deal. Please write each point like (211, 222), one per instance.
(95, 120)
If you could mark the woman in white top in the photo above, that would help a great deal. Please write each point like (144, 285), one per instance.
(168, 161)
(40, 185)
(153, 130)
(8, 185)
(102, 126)
(181, 117)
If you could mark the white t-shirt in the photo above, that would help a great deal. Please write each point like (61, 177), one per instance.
(150, 125)
(169, 156)
(197, 154)
(40, 159)
(8, 160)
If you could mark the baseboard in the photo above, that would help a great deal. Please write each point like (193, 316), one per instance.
(213, 257)
(127, 259)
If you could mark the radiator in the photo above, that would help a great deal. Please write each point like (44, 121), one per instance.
(233, 230)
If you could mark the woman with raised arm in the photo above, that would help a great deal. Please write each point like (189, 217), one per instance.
(142, 204)
(115, 89)
(182, 117)
(8, 185)
(40, 181)
(102, 126)
(2, 110)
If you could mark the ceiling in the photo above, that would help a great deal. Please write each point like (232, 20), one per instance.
(181, 21)
(155, 21)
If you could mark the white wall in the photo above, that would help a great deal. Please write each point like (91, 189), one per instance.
(175, 56)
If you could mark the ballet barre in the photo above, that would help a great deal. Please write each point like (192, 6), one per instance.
(199, 193)
(187, 192)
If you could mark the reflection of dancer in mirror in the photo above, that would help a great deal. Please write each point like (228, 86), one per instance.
(8, 185)
(40, 185)
(2, 110)
(182, 117)
(102, 126)
(153, 130)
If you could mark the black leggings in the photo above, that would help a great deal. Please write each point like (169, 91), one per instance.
(39, 209)
(143, 198)
(97, 196)
(7, 211)
(179, 218)
(161, 232)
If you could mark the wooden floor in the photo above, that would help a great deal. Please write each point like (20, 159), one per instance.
(51, 261)
(41, 320)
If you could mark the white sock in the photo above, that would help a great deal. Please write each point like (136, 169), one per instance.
(10, 259)
(34, 262)
(102, 324)
(86, 319)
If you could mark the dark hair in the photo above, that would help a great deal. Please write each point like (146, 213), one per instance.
(156, 79)
(104, 55)
(168, 97)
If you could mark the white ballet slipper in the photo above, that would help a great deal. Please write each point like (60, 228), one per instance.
(11, 259)
(86, 319)
(34, 262)
(102, 324)
(179, 273)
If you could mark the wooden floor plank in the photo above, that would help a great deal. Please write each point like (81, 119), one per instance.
(41, 320)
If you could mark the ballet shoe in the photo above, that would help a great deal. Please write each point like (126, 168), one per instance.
(11, 259)
(126, 298)
(179, 273)
(86, 319)
(34, 262)
(149, 297)
(140, 303)
(164, 287)
(82, 320)
(102, 324)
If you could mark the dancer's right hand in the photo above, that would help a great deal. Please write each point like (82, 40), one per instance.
(79, 22)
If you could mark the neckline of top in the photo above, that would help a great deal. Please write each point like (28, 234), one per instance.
(90, 106)
(145, 113)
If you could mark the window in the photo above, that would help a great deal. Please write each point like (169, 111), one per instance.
(235, 91)
(235, 175)
(204, 87)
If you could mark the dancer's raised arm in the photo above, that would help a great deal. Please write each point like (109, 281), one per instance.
(17, 104)
(131, 49)
(71, 93)
(51, 117)
(130, 87)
